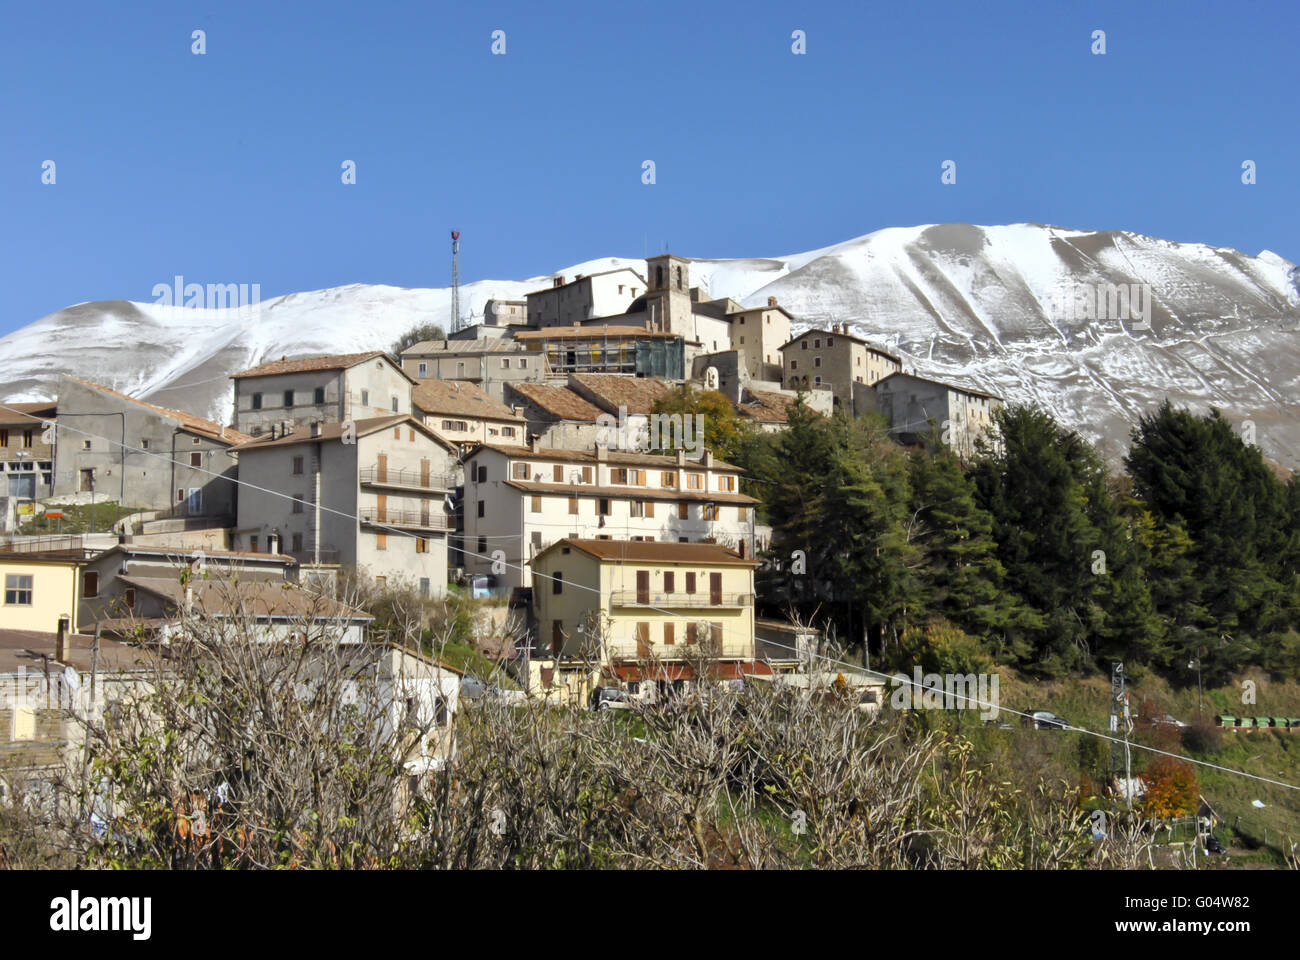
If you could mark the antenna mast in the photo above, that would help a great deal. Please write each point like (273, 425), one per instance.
(455, 281)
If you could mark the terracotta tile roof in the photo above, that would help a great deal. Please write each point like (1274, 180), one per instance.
(200, 425)
(460, 397)
(592, 332)
(453, 347)
(337, 361)
(262, 599)
(333, 430)
(638, 394)
(767, 406)
(653, 551)
(18, 412)
(29, 648)
(589, 456)
(560, 401)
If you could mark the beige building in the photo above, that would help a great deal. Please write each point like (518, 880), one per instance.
(354, 386)
(465, 414)
(760, 333)
(371, 494)
(39, 591)
(489, 363)
(645, 612)
(27, 449)
(585, 297)
(921, 410)
(835, 359)
(519, 500)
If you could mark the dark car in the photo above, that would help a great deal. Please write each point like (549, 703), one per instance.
(609, 698)
(1044, 720)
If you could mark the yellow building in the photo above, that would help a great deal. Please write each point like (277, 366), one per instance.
(619, 604)
(39, 591)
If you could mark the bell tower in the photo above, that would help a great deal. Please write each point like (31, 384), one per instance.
(668, 294)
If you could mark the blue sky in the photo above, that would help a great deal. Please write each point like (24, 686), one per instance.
(226, 167)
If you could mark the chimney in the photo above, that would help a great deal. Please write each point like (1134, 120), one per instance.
(222, 432)
(61, 641)
(681, 457)
(189, 597)
(557, 280)
(707, 459)
(771, 301)
(534, 443)
(315, 428)
(602, 453)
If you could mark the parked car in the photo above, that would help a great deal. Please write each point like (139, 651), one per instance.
(481, 586)
(609, 698)
(1044, 720)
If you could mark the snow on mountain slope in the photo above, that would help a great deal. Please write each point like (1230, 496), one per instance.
(979, 305)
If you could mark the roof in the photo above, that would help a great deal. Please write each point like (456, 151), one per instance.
(767, 406)
(593, 331)
(460, 397)
(653, 551)
(40, 410)
(589, 456)
(337, 361)
(579, 278)
(29, 649)
(334, 430)
(560, 401)
(637, 394)
(192, 553)
(453, 347)
(631, 492)
(200, 425)
(264, 600)
(960, 388)
(847, 336)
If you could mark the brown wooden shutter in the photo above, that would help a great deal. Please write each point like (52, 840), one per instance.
(643, 586)
(715, 589)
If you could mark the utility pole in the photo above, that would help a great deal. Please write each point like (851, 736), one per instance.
(455, 281)
(1200, 652)
(1119, 716)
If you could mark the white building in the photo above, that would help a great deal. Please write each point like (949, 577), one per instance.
(371, 493)
(585, 297)
(354, 386)
(519, 500)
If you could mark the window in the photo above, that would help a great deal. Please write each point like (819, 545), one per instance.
(803, 344)
(424, 592)
(830, 341)
(4, 438)
(180, 495)
(557, 474)
(381, 541)
(196, 459)
(129, 597)
(557, 582)
(505, 363)
(683, 511)
(742, 514)
(421, 545)
(668, 478)
(636, 509)
(817, 362)
(519, 470)
(194, 502)
(603, 507)
(480, 507)
(257, 401)
(394, 404)
(670, 581)
(817, 344)
(89, 584)
(482, 545)
(637, 478)
(297, 503)
(397, 433)
(537, 504)
(18, 589)
(794, 364)
(727, 483)
(365, 398)
(85, 444)
(288, 398)
(144, 444)
(252, 544)
(297, 543)
(507, 431)
(710, 511)
(715, 634)
(297, 466)
(318, 395)
(523, 363)
(859, 361)
(695, 481)
(573, 505)
(422, 369)
(690, 583)
(618, 475)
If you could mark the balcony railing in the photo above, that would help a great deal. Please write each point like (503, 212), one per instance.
(416, 519)
(405, 477)
(634, 598)
(729, 649)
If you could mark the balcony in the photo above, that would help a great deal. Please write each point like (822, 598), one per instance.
(672, 601)
(413, 519)
(731, 648)
(405, 479)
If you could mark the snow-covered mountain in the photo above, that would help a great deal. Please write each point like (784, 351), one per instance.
(997, 307)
